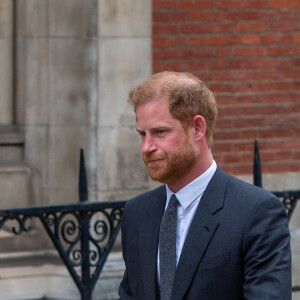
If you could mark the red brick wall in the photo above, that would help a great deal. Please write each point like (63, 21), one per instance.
(248, 52)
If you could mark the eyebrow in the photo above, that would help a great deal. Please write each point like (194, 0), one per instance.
(154, 128)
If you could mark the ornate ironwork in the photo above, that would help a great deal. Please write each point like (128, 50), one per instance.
(83, 233)
(288, 198)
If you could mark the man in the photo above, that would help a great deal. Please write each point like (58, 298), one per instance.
(231, 239)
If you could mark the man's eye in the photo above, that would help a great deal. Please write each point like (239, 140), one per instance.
(160, 132)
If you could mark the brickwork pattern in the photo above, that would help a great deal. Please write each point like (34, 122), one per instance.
(248, 52)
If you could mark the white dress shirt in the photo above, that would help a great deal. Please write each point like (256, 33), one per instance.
(189, 197)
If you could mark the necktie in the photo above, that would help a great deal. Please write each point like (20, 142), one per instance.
(167, 248)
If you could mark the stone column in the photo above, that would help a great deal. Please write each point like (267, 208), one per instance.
(6, 62)
(76, 61)
(57, 92)
(125, 58)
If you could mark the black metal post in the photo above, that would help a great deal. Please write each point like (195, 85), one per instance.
(257, 178)
(82, 185)
(85, 250)
(85, 244)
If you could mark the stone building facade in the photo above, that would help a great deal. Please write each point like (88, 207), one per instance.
(66, 69)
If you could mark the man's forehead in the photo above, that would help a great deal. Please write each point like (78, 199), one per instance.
(156, 109)
(160, 99)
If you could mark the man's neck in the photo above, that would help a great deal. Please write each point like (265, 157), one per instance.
(197, 170)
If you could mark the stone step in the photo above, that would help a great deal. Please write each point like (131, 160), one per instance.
(51, 280)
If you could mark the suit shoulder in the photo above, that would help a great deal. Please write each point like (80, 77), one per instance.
(245, 190)
(239, 189)
(249, 200)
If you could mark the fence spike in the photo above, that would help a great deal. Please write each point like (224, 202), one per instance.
(257, 177)
(83, 190)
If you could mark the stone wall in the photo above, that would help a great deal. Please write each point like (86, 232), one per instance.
(67, 66)
(125, 58)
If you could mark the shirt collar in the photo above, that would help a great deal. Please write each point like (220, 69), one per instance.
(194, 189)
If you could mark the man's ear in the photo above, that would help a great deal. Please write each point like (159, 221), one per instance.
(199, 127)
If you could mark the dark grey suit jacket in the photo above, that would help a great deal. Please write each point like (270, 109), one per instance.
(238, 246)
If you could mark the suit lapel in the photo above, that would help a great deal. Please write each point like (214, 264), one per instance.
(149, 233)
(200, 234)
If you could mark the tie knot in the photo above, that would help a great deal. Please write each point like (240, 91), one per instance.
(172, 206)
(173, 201)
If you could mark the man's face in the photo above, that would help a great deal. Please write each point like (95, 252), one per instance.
(167, 149)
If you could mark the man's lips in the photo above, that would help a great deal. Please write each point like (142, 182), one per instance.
(154, 161)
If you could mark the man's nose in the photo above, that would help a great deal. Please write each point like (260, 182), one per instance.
(148, 145)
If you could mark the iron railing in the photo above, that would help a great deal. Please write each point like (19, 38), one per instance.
(82, 233)
(289, 198)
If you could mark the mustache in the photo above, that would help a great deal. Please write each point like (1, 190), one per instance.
(151, 157)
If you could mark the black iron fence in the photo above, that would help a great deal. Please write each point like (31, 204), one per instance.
(84, 233)
(289, 198)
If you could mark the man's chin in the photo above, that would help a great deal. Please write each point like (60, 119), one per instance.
(157, 176)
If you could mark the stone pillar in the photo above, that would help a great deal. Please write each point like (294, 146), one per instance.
(76, 61)
(56, 78)
(57, 92)
(125, 58)
(6, 62)
(15, 177)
